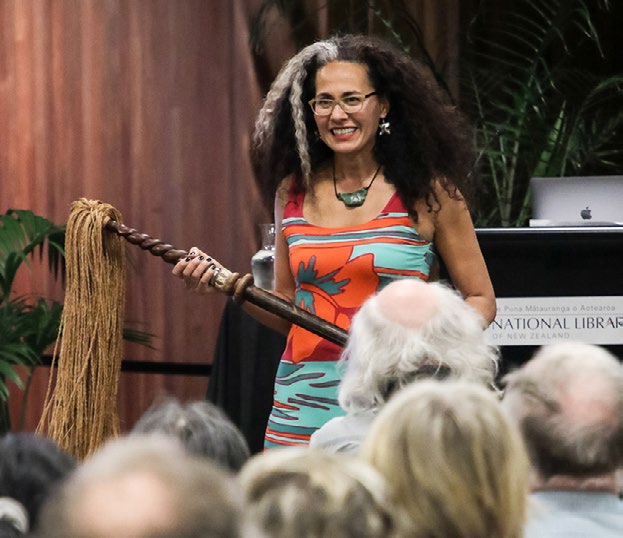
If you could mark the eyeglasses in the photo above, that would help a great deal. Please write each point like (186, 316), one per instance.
(323, 106)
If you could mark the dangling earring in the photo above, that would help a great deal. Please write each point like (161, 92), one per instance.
(384, 127)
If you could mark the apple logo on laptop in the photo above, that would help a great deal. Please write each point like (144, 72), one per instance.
(586, 213)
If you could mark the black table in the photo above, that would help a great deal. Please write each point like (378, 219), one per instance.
(552, 262)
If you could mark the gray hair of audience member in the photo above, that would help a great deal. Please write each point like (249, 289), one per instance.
(568, 402)
(409, 330)
(455, 461)
(31, 467)
(308, 493)
(202, 427)
(145, 487)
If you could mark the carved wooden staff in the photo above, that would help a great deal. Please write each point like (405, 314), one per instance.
(241, 288)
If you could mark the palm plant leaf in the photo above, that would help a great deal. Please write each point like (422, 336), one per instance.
(137, 336)
(26, 328)
(25, 331)
(41, 323)
(533, 114)
(21, 233)
(11, 355)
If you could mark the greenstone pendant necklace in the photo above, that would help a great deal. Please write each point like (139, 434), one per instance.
(356, 198)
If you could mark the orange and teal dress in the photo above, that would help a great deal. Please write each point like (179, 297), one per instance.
(335, 271)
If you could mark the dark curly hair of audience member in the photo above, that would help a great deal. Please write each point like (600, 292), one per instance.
(31, 466)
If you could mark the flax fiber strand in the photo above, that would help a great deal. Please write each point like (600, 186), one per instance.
(80, 413)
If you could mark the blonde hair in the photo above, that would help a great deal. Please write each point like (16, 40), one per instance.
(313, 494)
(456, 464)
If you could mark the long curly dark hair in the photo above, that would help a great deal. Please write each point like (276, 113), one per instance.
(430, 138)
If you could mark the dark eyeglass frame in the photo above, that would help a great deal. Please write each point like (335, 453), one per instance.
(312, 103)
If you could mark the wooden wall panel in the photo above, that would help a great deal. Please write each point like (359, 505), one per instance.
(440, 22)
(147, 105)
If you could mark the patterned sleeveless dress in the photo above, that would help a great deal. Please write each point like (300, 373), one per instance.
(335, 270)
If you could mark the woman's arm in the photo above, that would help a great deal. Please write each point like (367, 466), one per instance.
(456, 242)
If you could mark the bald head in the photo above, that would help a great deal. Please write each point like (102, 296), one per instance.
(408, 330)
(131, 505)
(144, 487)
(410, 303)
(585, 382)
(568, 401)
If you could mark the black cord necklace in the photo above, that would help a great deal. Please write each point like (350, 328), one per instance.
(356, 198)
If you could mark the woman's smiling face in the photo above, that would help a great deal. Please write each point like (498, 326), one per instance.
(355, 132)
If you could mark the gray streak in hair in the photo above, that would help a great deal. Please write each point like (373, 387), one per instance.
(292, 77)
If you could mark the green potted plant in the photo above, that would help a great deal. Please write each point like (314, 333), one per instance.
(27, 327)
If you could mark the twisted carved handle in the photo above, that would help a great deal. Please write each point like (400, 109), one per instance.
(156, 247)
(241, 288)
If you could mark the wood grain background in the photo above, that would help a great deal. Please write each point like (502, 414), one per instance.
(147, 105)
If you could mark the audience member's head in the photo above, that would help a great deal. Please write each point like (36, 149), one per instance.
(568, 402)
(202, 427)
(312, 494)
(31, 467)
(410, 330)
(144, 487)
(456, 464)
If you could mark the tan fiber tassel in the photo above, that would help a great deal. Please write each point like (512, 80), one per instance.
(81, 412)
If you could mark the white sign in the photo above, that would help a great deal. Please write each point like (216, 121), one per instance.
(528, 321)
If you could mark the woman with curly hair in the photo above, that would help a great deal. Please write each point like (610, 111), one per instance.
(369, 166)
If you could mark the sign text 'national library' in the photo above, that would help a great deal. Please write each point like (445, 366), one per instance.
(529, 321)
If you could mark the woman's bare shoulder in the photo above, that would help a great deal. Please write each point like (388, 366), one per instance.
(442, 203)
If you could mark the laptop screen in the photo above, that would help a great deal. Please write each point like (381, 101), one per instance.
(577, 201)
